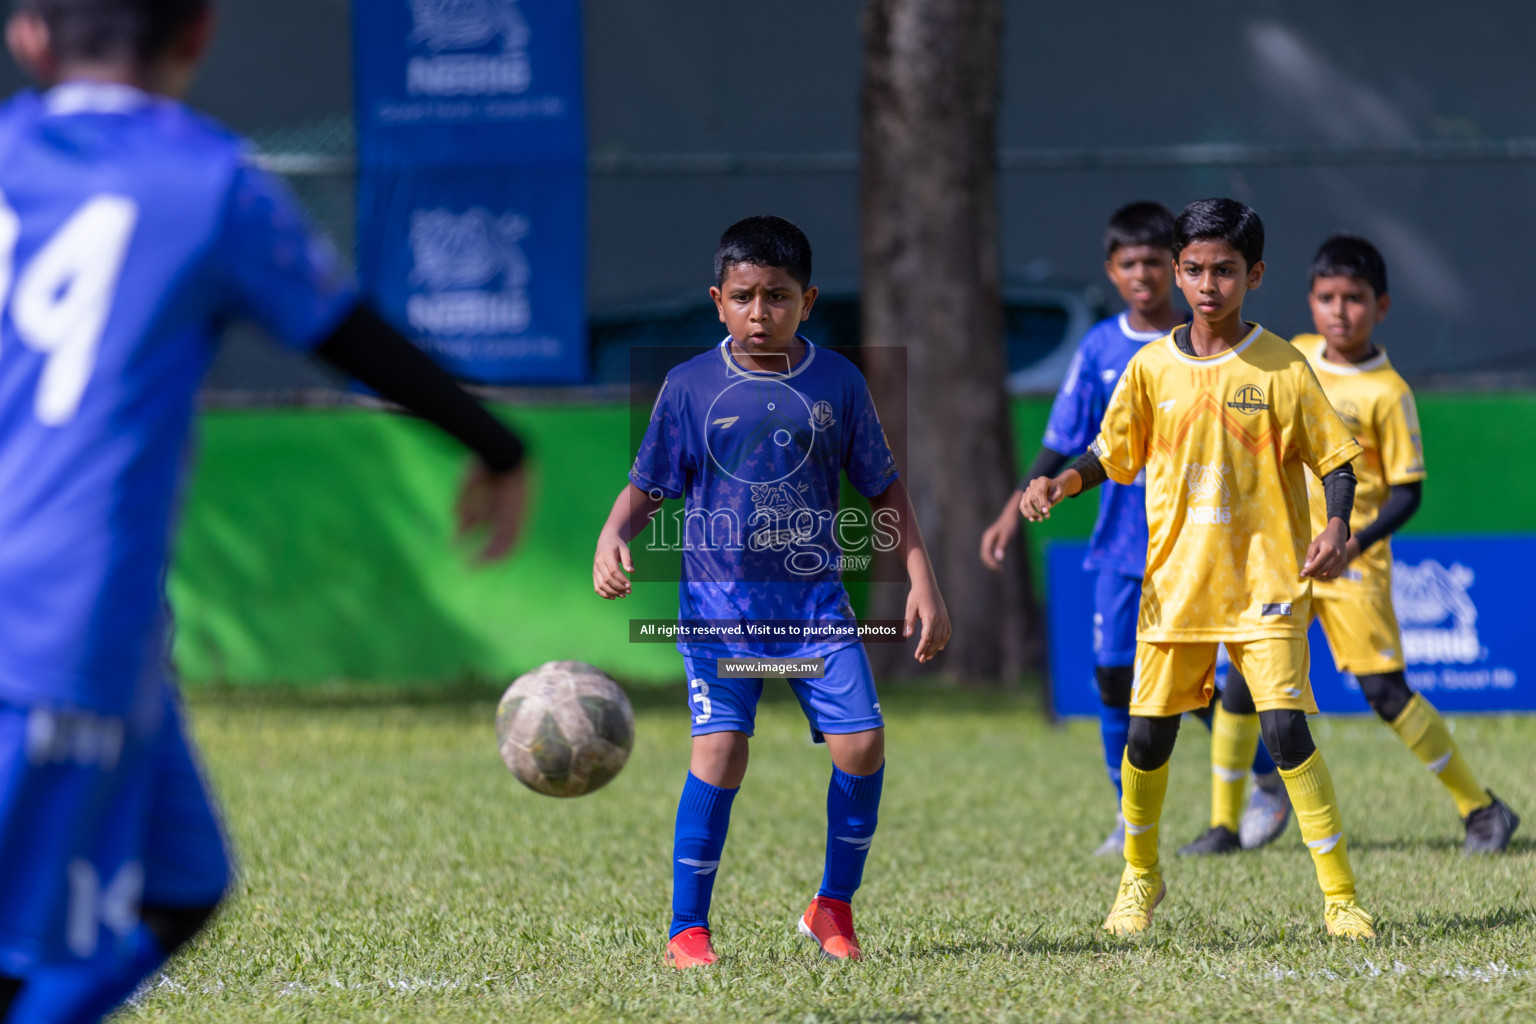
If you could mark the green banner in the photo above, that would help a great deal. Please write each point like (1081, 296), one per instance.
(318, 545)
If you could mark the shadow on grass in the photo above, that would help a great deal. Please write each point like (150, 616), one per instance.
(906, 697)
(1404, 844)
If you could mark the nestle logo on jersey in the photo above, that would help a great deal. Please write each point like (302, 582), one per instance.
(1207, 516)
(1250, 399)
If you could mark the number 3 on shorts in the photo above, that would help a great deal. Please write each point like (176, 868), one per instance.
(700, 696)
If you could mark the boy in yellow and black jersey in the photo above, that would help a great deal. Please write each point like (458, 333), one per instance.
(1226, 419)
(1348, 296)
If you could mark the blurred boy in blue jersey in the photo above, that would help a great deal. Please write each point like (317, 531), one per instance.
(755, 435)
(131, 231)
(1138, 247)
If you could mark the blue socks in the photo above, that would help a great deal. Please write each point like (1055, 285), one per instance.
(1114, 726)
(853, 810)
(703, 816)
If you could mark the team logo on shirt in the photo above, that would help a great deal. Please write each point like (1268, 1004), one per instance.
(1207, 483)
(821, 415)
(495, 28)
(1249, 399)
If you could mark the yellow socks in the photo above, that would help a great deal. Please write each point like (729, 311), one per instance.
(1234, 741)
(1423, 731)
(1317, 812)
(1142, 805)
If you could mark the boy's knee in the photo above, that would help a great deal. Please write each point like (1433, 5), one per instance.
(1149, 744)
(720, 758)
(859, 753)
(1115, 683)
(1287, 737)
(1387, 692)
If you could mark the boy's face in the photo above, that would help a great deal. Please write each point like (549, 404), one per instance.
(1215, 278)
(762, 307)
(1143, 275)
(1345, 310)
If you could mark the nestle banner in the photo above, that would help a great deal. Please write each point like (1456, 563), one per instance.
(1461, 603)
(472, 181)
(468, 81)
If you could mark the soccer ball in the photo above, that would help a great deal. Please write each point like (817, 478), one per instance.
(565, 728)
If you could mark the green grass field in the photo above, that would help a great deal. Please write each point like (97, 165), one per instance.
(393, 871)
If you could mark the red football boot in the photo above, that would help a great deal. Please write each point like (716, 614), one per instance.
(690, 948)
(830, 923)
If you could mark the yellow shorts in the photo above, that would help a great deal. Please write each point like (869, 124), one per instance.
(1174, 678)
(1362, 632)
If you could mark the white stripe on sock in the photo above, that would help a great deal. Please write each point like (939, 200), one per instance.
(1326, 844)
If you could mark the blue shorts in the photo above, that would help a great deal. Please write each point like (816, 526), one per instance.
(1116, 604)
(843, 701)
(98, 815)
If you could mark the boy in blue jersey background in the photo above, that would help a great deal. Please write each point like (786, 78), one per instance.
(754, 435)
(1138, 245)
(132, 230)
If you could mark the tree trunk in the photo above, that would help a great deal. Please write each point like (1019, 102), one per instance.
(930, 279)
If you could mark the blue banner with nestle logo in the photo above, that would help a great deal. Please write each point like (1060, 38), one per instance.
(1461, 603)
(472, 181)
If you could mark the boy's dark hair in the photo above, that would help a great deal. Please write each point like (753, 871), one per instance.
(1139, 223)
(113, 29)
(1347, 255)
(765, 242)
(1220, 220)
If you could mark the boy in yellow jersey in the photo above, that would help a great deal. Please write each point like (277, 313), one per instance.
(1225, 418)
(1349, 298)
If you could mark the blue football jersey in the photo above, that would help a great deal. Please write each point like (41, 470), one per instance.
(758, 457)
(131, 230)
(1119, 541)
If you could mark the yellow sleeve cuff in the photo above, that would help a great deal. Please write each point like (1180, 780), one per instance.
(1345, 452)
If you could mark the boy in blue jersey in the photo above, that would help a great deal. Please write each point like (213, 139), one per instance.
(1138, 244)
(131, 231)
(755, 435)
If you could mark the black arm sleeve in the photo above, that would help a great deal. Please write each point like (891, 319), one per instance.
(1091, 470)
(1047, 463)
(1402, 502)
(1339, 494)
(366, 347)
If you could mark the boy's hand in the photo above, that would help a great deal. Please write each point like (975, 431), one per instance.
(494, 501)
(1325, 556)
(1351, 550)
(996, 538)
(925, 603)
(1042, 493)
(611, 566)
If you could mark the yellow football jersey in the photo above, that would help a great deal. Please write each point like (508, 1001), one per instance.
(1377, 406)
(1224, 440)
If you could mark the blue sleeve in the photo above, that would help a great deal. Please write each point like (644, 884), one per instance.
(662, 462)
(276, 270)
(1073, 425)
(867, 457)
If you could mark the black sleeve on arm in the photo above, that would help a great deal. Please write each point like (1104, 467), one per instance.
(1339, 494)
(1402, 502)
(1047, 463)
(1090, 469)
(367, 348)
